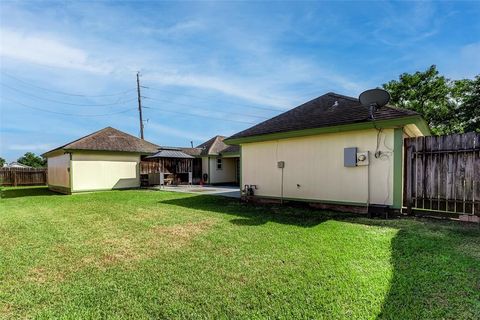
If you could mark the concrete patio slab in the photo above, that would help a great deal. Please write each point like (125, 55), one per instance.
(226, 191)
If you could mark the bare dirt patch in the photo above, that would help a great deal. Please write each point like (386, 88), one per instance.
(119, 249)
(182, 233)
(127, 248)
(42, 275)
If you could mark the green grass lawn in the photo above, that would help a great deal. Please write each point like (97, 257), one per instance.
(150, 254)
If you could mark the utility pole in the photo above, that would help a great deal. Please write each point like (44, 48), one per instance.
(139, 105)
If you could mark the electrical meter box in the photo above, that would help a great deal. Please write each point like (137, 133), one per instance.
(281, 164)
(362, 158)
(353, 158)
(350, 157)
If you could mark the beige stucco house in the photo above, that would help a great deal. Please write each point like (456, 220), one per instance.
(104, 160)
(220, 162)
(329, 151)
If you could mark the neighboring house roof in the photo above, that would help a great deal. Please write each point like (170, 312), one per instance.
(110, 139)
(16, 164)
(232, 149)
(216, 146)
(170, 153)
(192, 151)
(330, 109)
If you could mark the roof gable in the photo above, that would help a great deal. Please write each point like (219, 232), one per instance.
(110, 139)
(216, 146)
(330, 109)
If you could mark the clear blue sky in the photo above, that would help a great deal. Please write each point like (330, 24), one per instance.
(210, 68)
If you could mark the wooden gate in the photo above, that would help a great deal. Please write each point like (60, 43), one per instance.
(442, 174)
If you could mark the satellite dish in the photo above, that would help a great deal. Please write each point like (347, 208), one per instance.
(374, 97)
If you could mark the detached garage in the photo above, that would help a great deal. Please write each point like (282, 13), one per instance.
(104, 160)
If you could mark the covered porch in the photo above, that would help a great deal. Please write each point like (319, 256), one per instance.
(168, 167)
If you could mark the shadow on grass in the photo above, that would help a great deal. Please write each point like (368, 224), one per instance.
(436, 264)
(16, 192)
(256, 215)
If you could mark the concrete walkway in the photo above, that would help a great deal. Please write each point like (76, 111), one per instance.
(233, 192)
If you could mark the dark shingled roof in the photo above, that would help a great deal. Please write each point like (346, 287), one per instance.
(110, 139)
(331, 109)
(216, 146)
(192, 151)
(232, 149)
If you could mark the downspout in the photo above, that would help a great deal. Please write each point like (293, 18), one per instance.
(281, 190)
(208, 158)
(240, 169)
(71, 174)
(368, 186)
(281, 179)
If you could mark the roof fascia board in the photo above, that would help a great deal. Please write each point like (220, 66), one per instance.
(423, 126)
(54, 153)
(417, 120)
(107, 151)
(229, 154)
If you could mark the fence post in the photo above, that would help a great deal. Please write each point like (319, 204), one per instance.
(409, 175)
(14, 178)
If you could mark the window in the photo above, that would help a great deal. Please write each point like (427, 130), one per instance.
(219, 163)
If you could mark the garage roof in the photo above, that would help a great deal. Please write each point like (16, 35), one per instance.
(110, 139)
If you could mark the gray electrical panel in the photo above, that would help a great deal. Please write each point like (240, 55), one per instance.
(281, 164)
(350, 157)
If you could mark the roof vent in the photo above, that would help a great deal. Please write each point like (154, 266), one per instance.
(333, 106)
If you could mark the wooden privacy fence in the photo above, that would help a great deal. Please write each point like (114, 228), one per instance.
(442, 174)
(23, 176)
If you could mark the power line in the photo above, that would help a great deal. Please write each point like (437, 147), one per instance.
(66, 93)
(196, 107)
(210, 100)
(67, 103)
(67, 114)
(201, 116)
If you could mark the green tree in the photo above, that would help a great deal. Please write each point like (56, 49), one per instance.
(2, 162)
(32, 160)
(467, 92)
(448, 106)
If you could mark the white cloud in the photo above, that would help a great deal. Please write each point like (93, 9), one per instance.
(223, 84)
(259, 74)
(46, 50)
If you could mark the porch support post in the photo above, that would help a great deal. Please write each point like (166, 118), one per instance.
(397, 168)
(160, 174)
(190, 171)
(208, 180)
